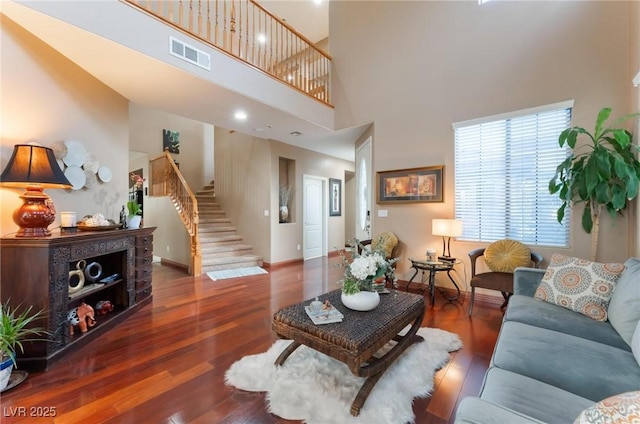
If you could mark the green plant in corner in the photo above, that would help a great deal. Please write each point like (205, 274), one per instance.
(606, 173)
(15, 328)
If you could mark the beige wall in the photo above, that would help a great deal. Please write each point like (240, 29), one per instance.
(171, 240)
(246, 178)
(634, 69)
(46, 98)
(436, 63)
(243, 170)
(285, 238)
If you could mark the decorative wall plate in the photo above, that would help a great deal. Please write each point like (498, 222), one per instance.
(91, 163)
(75, 153)
(104, 173)
(76, 177)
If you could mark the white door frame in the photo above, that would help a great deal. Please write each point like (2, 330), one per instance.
(365, 150)
(325, 215)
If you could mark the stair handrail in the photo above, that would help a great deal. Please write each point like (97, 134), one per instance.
(247, 31)
(167, 180)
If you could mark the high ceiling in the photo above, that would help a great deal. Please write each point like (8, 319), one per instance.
(190, 96)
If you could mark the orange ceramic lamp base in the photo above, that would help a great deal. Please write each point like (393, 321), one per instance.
(35, 214)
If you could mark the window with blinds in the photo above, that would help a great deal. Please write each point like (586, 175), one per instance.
(503, 165)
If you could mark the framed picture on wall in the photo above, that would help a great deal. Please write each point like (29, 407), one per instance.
(171, 141)
(410, 185)
(335, 197)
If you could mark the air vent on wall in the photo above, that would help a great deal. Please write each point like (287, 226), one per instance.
(189, 53)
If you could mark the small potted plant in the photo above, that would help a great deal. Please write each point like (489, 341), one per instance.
(135, 211)
(16, 328)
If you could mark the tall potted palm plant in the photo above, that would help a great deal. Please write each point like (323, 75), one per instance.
(604, 172)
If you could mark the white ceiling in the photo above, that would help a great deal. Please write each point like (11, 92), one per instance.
(189, 96)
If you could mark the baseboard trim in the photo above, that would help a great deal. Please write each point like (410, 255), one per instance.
(173, 264)
(281, 264)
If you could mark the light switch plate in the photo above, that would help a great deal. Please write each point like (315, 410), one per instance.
(383, 213)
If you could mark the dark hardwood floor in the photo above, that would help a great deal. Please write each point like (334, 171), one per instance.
(166, 363)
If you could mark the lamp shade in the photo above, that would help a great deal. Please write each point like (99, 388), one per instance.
(30, 164)
(446, 227)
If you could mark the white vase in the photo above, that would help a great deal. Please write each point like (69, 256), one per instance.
(5, 372)
(284, 214)
(361, 301)
(133, 221)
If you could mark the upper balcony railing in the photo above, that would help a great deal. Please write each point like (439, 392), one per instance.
(249, 32)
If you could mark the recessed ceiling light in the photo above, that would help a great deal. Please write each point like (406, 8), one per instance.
(240, 115)
(295, 133)
(317, 1)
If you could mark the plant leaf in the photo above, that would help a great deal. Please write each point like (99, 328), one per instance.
(561, 210)
(603, 115)
(622, 137)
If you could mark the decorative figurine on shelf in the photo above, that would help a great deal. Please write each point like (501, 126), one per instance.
(103, 307)
(82, 316)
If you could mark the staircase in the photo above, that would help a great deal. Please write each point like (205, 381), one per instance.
(221, 246)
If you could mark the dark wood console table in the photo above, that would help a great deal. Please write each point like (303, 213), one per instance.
(35, 272)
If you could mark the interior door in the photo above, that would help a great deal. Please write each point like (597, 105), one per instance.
(313, 215)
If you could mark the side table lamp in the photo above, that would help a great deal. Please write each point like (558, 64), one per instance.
(35, 168)
(446, 228)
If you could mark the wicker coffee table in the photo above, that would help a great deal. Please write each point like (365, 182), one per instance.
(355, 339)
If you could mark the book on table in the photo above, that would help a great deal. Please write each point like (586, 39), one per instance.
(324, 316)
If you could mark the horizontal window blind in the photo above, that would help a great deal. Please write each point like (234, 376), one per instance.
(502, 173)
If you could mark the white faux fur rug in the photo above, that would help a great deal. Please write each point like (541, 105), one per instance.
(315, 388)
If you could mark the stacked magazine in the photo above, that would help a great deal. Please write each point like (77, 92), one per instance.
(326, 315)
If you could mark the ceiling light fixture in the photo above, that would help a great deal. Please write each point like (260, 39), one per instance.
(295, 133)
(240, 115)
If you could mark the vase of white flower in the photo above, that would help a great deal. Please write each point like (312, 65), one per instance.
(368, 269)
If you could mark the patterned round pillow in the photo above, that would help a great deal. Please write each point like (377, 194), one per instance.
(619, 409)
(506, 255)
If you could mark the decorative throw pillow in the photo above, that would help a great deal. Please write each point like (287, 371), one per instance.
(580, 285)
(619, 409)
(387, 241)
(506, 255)
(624, 308)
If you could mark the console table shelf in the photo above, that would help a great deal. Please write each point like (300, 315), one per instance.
(35, 272)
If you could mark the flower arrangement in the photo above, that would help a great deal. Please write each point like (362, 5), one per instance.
(367, 268)
(132, 204)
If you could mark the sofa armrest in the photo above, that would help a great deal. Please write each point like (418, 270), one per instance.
(474, 410)
(527, 280)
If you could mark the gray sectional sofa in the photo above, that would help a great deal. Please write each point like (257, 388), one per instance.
(550, 363)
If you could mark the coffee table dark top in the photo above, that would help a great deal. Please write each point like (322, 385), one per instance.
(359, 332)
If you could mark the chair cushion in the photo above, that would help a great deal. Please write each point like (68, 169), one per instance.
(580, 285)
(624, 307)
(387, 240)
(619, 409)
(506, 255)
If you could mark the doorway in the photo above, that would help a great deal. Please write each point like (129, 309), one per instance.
(314, 212)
